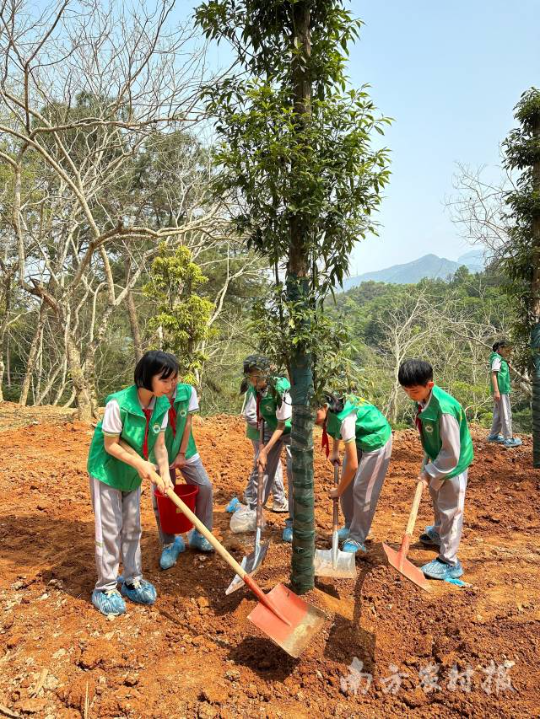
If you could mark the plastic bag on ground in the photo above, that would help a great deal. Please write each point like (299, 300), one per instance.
(244, 520)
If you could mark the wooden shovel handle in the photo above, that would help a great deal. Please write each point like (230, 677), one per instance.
(158, 482)
(260, 481)
(186, 511)
(335, 512)
(224, 554)
(414, 508)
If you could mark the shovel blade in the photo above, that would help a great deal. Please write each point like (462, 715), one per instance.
(398, 560)
(251, 565)
(340, 565)
(302, 623)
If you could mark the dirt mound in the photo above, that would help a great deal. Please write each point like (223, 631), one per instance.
(387, 649)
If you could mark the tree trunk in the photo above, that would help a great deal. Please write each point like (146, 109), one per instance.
(49, 385)
(32, 355)
(160, 337)
(61, 386)
(80, 385)
(301, 369)
(393, 403)
(135, 329)
(8, 361)
(303, 416)
(39, 367)
(90, 359)
(4, 331)
(70, 400)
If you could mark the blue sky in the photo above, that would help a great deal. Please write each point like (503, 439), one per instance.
(449, 74)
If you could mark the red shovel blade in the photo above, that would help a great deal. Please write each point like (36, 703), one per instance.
(297, 624)
(398, 560)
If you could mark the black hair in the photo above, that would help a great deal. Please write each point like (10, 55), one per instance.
(154, 363)
(415, 372)
(335, 402)
(501, 344)
(257, 362)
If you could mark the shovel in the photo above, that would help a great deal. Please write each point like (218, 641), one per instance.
(289, 621)
(333, 562)
(399, 559)
(253, 561)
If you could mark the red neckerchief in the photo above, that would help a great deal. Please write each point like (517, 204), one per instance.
(325, 443)
(258, 400)
(172, 417)
(418, 421)
(148, 415)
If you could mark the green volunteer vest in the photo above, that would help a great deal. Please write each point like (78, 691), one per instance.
(443, 403)
(110, 470)
(251, 432)
(173, 442)
(372, 428)
(268, 404)
(503, 375)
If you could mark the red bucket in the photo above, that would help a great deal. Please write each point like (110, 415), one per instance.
(171, 517)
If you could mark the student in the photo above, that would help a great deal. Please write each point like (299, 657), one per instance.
(249, 412)
(368, 447)
(273, 405)
(448, 449)
(138, 416)
(184, 457)
(501, 429)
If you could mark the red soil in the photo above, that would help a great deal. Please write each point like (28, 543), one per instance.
(194, 654)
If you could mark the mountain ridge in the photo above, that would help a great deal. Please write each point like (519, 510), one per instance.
(428, 266)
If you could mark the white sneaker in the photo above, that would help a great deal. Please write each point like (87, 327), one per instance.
(280, 506)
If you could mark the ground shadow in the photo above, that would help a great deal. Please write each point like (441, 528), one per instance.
(39, 547)
(347, 639)
(263, 657)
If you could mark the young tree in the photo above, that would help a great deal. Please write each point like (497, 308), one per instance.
(296, 147)
(183, 316)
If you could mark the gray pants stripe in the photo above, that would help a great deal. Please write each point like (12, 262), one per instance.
(502, 417)
(277, 490)
(118, 533)
(359, 501)
(194, 474)
(448, 505)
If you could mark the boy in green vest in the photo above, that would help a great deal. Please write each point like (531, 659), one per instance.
(137, 417)
(501, 429)
(183, 456)
(448, 452)
(273, 405)
(249, 413)
(368, 447)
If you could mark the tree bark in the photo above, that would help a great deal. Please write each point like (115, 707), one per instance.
(301, 369)
(32, 355)
(39, 373)
(81, 389)
(4, 330)
(70, 400)
(49, 384)
(8, 361)
(61, 386)
(135, 328)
